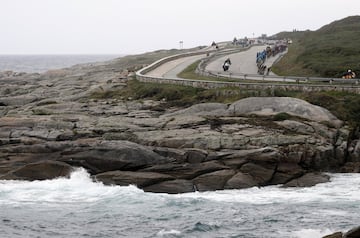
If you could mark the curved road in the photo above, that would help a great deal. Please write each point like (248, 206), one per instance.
(243, 67)
(172, 68)
(241, 63)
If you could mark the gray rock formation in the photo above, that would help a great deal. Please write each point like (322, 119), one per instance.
(52, 122)
(308, 180)
(353, 233)
(274, 105)
(39, 171)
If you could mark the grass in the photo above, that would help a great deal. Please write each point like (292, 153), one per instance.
(344, 105)
(174, 95)
(190, 73)
(327, 52)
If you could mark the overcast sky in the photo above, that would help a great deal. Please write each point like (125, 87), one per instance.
(137, 26)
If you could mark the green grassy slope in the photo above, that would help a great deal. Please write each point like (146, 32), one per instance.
(327, 52)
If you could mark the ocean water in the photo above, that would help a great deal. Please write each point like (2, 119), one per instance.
(79, 207)
(42, 63)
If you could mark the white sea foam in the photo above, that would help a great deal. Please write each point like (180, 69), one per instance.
(290, 212)
(310, 233)
(80, 187)
(168, 232)
(343, 187)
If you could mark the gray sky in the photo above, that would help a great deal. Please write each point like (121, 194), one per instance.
(137, 26)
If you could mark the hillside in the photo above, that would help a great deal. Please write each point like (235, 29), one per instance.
(327, 52)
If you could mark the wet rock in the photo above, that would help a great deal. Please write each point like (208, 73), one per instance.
(262, 175)
(353, 233)
(241, 180)
(40, 171)
(172, 187)
(124, 178)
(350, 167)
(308, 180)
(354, 151)
(213, 181)
(286, 172)
(261, 155)
(335, 235)
(178, 155)
(186, 170)
(113, 155)
(194, 156)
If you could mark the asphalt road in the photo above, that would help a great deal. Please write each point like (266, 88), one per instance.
(241, 63)
(172, 68)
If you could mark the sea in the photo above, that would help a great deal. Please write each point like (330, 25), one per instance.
(80, 207)
(42, 63)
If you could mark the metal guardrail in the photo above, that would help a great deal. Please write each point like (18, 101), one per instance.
(145, 70)
(298, 79)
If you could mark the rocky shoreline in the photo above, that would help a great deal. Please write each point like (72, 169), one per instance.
(353, 233)
(49, 125)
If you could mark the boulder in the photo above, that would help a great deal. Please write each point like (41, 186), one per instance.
(335, 235)
(39, 171)
(172, 187)
(178, 155)
(354, 150)
(124, 178)
(194, 156)
(286, 172)
(186, 170)
(213, 181)
(308, 180)
(262, 175)
(353, 233)
(351, 167)
(267, 106)
(241, 180)
(263, 155)
(113, 155)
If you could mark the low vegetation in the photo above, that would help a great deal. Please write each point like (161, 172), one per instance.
(327, 52)
(344, 105)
